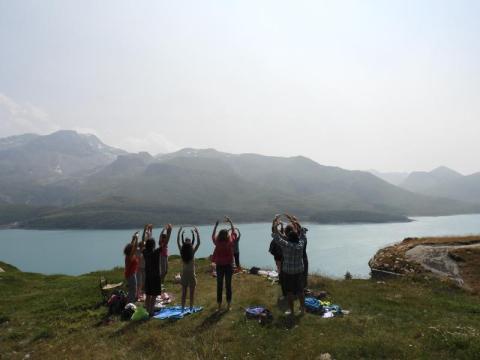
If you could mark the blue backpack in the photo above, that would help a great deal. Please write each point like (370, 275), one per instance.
(312, 305)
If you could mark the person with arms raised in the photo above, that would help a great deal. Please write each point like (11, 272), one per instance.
(152, 274)
(223, 258)
(131, 267)
(163, 241)
(187, 249)
(292, 263)
(302, 234)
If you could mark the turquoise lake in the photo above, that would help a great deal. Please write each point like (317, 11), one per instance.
(332, 249)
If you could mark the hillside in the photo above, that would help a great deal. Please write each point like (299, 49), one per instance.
(446, 183)
(466, 188)
(426, 182)
(89, 184)
(51, 317)
(394, 178)
(30, 164)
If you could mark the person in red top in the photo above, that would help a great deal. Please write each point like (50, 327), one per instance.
(131, 268)
(223, 258)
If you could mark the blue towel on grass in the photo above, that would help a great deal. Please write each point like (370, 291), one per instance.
(175, 312)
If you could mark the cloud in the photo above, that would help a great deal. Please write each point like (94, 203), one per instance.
(152, 142)
(19, 118)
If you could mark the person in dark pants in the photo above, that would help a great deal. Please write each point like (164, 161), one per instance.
(223, 258)
(292, 264)
(152, 274)
(236, 250)
(302, 234)
(276, 251)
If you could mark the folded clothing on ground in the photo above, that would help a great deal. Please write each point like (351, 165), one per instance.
(176, 312)
(325, 308)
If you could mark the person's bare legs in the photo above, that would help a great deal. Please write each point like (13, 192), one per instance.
(192, 295)
(184, 296)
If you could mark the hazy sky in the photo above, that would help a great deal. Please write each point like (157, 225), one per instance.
(391, 85)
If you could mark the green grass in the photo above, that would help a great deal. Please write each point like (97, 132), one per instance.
(59, 317)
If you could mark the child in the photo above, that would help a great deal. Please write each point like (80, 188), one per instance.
(131, 267)
(187, 252)
(152, 274)
(163, 241)
(223, 258)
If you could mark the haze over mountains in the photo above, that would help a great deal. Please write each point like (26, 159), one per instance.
(441, 182)
(67, 179)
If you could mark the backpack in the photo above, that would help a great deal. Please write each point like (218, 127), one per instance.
(116, 303)
(140, 314)
(275, 249)
(312, 305)
(259, 313)
(254, 270)
(127, 312)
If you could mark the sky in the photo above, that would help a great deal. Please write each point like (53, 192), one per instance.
(387, 85)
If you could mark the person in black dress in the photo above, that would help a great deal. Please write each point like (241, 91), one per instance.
(152, 275)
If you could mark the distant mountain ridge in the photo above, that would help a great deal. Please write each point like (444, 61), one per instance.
(423, 181)
(394, 178)
(446, 183)
(100, 186)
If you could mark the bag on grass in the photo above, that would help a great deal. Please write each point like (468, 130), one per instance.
(259, 313)
(127, 312)
(254, 270)
(140, 314)
(312, 305)
(116, 303)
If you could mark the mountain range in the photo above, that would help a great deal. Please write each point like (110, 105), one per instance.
(71, 180)
(441, 182)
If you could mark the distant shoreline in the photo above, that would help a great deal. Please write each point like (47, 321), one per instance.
(399, 220)
(19, 227)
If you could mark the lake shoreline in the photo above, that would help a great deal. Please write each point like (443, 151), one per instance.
(340, 223)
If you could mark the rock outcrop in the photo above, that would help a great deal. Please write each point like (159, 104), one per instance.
(456, 258)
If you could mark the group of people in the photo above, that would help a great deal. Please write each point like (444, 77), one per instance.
(146, 265)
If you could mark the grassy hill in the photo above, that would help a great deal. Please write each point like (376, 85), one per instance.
(51, 317)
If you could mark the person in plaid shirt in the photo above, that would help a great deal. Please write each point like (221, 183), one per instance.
(292, 263)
